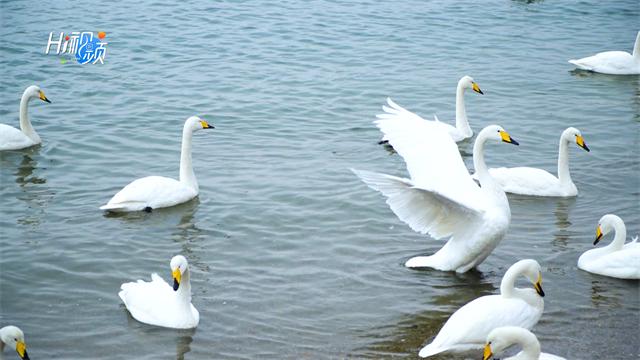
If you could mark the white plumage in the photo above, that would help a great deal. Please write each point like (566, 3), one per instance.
(503, 337)
(14, 139)
(441, 198)
(469, 326)
(612, 62)
(13, 337)
(157, 303)
(618, 260)
(153, 192)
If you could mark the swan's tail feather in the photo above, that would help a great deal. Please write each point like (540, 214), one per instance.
(430, 350)
(580, 65)
(124, 206)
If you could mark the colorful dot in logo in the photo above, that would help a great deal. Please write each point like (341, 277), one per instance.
(101, 35)
(66, 37)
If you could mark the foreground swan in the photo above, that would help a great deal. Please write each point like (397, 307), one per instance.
(461, 131)
(503, 337)
(14, 139)
(441, 198)
(613, 62)
(617, 259)
(469, 326)
(14, 338)
(538, 182)
(157, 303)
(153, 192)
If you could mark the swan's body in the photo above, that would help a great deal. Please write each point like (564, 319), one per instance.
(441, 198)
(538, 182)
(153, 192)
(503, 337)
(469, 326)
(157, 303)
(613, 62)
(13, 337)
(618, 260)
(14, 139)
(462, 130)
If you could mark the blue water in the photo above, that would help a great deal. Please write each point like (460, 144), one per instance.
(292, 256)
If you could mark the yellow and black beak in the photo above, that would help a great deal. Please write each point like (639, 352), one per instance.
(581, 143)
(507, 138)
(476, 88)
(598, 235)
(487, 354)
(538, 286)
(205, 125)
(44, 98)
(177, 275)
(21, 349)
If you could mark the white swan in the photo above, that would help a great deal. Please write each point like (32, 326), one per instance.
(469, 326)
(154, 192)
(14, 139)
(538, 182)
(157, 303)
(613, 62)
(441, 198)
(503, 337)
(462, 130)
(618, 260)
(14, 338)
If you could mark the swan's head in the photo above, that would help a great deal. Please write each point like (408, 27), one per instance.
(496, 132)
(573, 134)
(13, 337)
(179, 265)
(501, 338)
(605, 226)
(195, 123)
(34, 92)
(530, 269)
(467, 83)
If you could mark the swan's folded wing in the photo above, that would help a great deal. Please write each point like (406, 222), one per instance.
(145, 300)
(425, 211)
(432, 157)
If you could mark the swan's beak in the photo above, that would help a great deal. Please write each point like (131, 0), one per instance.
(538, 286)
(598, 235)
(21, 349)
(205, 125)
(44, 98)
(487, 354)
(581, 143)
(507, 138)
(176, 279)
(476, 88)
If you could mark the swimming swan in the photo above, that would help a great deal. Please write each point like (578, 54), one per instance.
(538, 182)
(618, 260)
(157, 303)
(154, 192)
(503, 337)
(462, 130)
(14, 139)
(613, 62)
(14, 337)
(470, 325)
(441, 198)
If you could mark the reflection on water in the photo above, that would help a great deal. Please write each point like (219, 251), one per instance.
(183, 343)
(562, 235)
(26, 168)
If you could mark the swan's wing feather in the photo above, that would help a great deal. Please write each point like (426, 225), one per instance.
(146, 300)
(152, 191)
(424, 210)
(12, 138)
(526, 180)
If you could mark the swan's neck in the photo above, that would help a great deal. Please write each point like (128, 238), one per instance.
(508, 284)
(636, 48)
(184, 290)
(529, 343)
(462, 124)
(187, 175)
(563, 162)
(621, 235)
(25, 123)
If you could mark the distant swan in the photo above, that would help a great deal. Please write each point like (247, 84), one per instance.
(470, 325)
(153, 192)
(14, 338)
(503, 337)
(157, 303)
(618, 260)
(613, 62)
(441, 198)
(14, 139)
(538, 182)
(462, 130)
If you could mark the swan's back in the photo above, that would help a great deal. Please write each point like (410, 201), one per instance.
(621, 264)
(151, 191)
(530, 181)
(609, 62)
